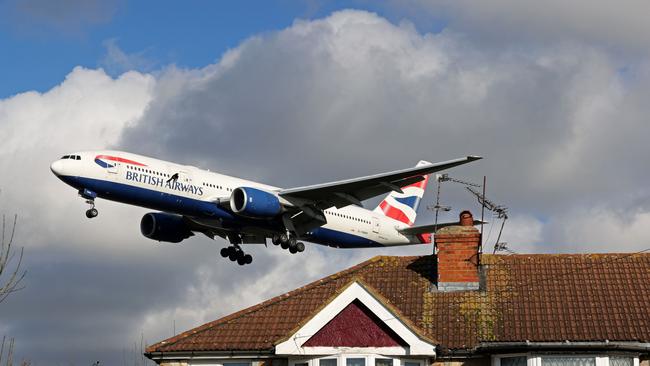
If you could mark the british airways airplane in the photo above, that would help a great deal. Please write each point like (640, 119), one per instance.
(192, 200)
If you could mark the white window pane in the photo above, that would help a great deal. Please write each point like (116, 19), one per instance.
(355, 362)
(513, 361)
(568, 361)
(621, 361)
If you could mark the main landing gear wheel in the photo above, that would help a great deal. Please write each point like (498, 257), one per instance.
(245, 259)
(225, 252)
(275, 239)
(288, 242)
(300, 247)
(236, 254)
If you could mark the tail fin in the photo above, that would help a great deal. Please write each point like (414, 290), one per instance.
(404, 206)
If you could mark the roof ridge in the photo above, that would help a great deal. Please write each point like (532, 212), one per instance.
(264, 304)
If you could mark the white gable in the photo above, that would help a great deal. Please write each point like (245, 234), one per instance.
(294, 344)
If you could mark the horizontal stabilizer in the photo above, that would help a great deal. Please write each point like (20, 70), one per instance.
(426, 229)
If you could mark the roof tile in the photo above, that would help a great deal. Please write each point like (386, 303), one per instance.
(579, 297)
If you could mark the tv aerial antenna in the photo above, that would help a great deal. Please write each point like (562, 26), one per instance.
(500, 211)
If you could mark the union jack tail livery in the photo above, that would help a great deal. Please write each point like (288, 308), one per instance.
(403, 207)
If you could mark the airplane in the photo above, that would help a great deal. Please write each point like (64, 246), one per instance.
(190, 200)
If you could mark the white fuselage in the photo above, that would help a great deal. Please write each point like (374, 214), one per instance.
(196, 193)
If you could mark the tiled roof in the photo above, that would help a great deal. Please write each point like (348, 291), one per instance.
(539, 298)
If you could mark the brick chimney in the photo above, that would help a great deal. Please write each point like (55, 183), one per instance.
(457, 252)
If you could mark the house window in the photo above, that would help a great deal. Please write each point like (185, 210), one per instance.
(568, 361)
(355, 361)
(513, 361)
(385, 362)
(565, 360)
(621, 361)
(410, 363)
(237, 364)
(327, 362)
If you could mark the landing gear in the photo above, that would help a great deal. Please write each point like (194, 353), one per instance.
(287, 241)
(236, 254)
(300, 247)
(92, 211)
(275, 239)
(89, 196)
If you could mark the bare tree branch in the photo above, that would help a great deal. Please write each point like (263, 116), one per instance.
(10, 279)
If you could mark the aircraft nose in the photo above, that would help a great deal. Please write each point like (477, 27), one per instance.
(57, 167)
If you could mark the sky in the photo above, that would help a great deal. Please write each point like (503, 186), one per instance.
(553, 95)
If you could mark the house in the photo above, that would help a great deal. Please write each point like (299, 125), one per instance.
(457, 308)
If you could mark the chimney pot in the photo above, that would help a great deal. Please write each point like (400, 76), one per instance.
(466, 219)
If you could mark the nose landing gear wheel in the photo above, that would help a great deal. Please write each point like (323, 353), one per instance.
(92, 213)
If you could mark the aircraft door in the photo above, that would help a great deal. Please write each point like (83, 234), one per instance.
(113, 170)
(375, 224)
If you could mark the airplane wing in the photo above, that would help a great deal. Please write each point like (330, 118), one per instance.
(426, 229)
(353, 191)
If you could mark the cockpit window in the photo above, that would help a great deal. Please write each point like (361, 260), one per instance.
(65, 157)
(77, 157)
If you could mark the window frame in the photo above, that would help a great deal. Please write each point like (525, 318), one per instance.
(535, 359)
(341, 359)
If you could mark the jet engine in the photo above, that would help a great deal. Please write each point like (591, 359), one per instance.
(164, 227)
(253, 202)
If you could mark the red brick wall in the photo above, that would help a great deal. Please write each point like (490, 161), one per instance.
(457, 248)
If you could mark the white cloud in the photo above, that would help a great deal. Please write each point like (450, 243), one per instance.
(522, 233)
(87, 111)
(601, 229)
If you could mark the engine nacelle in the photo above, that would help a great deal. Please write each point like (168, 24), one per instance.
(253, 202)
(164, 227)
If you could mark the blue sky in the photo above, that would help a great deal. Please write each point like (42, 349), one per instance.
(39, 50)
